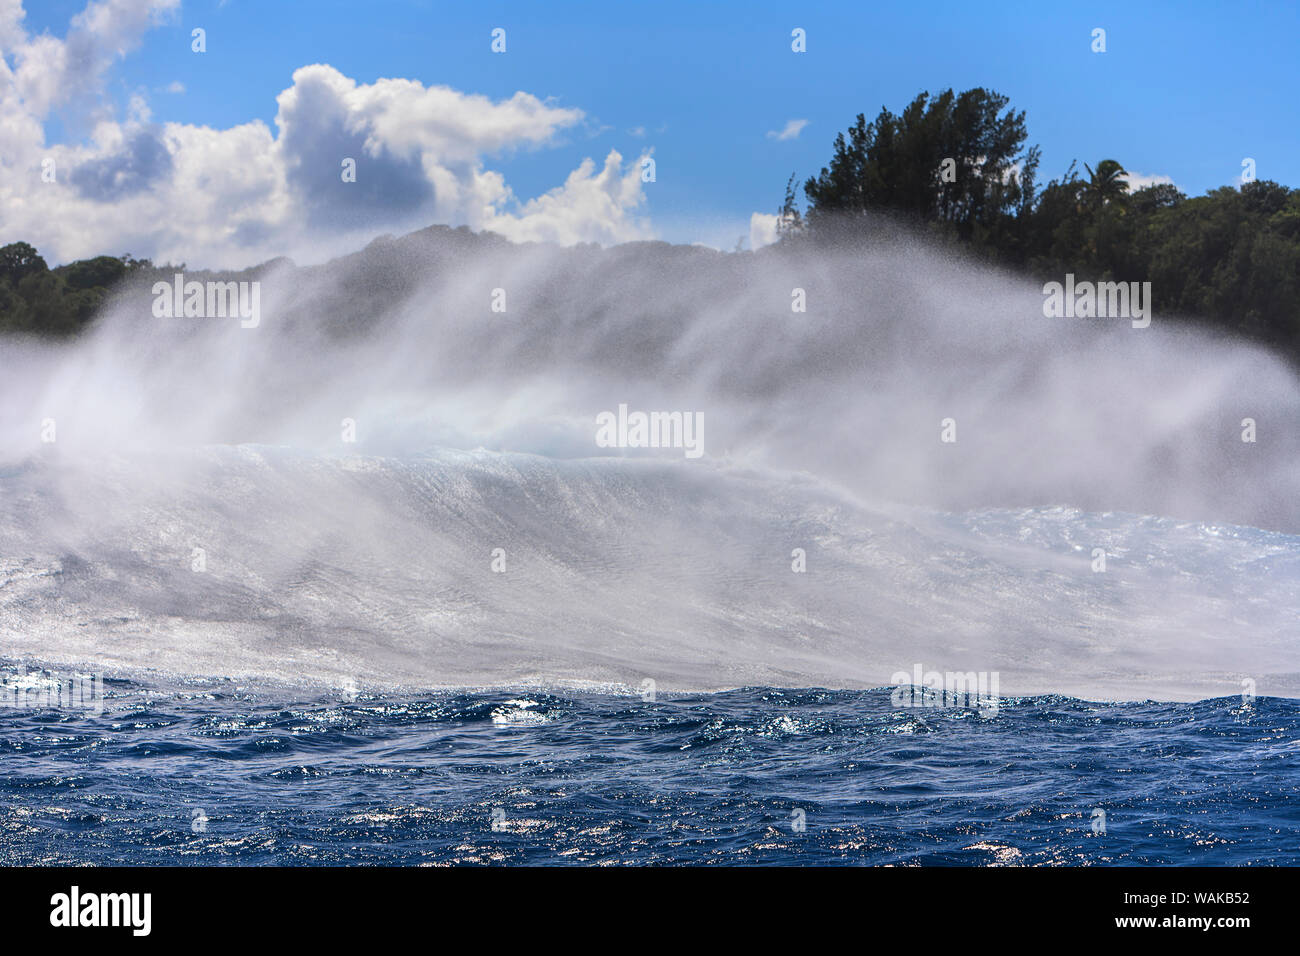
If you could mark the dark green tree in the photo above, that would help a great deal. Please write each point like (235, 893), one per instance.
(1105, 184)
(957, 165)
(19, 260)
(956, 159)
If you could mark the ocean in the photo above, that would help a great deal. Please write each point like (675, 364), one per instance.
(220, 773)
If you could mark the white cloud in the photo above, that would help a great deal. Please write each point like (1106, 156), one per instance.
(235, 196)
(51, 72)
(1138, 181)
(762, 229)
(791, 131)
(11, 24)
(590, 207)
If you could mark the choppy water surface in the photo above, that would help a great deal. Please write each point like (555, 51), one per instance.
(216, 773)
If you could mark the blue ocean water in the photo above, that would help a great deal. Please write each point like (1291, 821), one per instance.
(218, 773)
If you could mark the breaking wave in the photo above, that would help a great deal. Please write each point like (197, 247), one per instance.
(199, 513)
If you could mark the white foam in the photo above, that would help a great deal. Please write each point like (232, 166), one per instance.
(371, 562)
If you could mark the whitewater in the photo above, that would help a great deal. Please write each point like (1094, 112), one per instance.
(201, 513)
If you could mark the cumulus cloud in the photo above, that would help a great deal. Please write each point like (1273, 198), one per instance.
(791, 131)
(1138, 181)
(11, 24)
(762, 229)
(39, 74)
(591, 206)
(51, 72)
(234, 196)
(143, 160)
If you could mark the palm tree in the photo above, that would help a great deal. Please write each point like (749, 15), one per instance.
(1104, 183)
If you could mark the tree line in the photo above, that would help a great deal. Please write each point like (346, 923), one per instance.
(956, 167)
(61, 301)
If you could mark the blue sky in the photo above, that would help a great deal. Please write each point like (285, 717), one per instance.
(1185, 90)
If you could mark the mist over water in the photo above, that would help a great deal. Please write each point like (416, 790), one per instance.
(475, 430)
